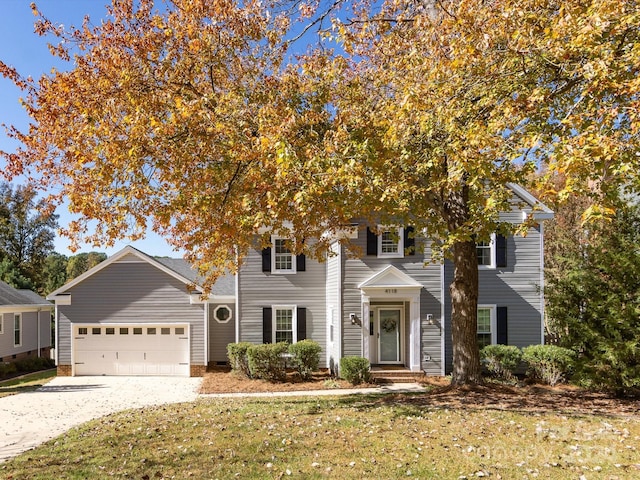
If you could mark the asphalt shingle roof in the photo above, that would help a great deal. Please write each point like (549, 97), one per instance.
(225, 285)
(13, 296)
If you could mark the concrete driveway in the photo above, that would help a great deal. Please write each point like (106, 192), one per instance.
(29, 419)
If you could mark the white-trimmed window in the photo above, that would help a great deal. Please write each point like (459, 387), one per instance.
(222, 314)
(391, 242)
(17, 329)
(486, 325)
(284, 323)
(282, 260)
(486, 252)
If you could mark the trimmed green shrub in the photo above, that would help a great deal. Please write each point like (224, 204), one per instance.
(355, 370)
(548, 363)
(7, 369)
(267, 361)
(34, 364)
(501, 360)
(306, 357)
(237, 353)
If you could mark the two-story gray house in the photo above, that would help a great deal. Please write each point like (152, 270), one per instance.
(138, 315)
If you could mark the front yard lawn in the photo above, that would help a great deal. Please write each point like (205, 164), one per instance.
(447, 434)
(26, 383)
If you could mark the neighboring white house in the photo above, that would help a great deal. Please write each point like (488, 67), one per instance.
(25, 324)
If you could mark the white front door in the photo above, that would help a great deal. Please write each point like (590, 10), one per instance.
(389, 334)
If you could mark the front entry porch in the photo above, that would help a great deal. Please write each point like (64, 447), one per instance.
(391, 306)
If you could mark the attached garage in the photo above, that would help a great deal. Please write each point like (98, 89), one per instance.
(139, 315)
(131, 349)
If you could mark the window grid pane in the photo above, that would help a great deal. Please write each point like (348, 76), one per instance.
(484, 339)
(284, 325)
(484, 327)
(389, 243)
(484, 320)
(483, 250)
(283, 257)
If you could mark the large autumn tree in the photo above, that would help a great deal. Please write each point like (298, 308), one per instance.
(200, 121)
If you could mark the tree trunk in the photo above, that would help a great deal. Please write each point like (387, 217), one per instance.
(464, 293)
(464, 315)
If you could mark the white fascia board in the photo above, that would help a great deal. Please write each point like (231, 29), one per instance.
(24, 308)
(539, 210)
(60, 299)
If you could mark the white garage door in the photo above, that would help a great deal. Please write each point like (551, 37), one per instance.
(132, 349)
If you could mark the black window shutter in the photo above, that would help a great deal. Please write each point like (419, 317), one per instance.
(266, 325)
(266, 259)
(301, 263)
(501, 325)
(501, 251)
(409, 241)
(372, 242)
(301, 323)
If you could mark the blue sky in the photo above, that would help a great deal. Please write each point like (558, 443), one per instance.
(28, 53)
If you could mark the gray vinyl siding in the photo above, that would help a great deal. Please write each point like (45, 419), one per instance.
(221, 334)
(431, 300)
(515, 287)
(130, 292)
(419, 267)
(263, 289)
(44, 320)
(31, 322)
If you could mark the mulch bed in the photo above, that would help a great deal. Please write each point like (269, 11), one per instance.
(563, 399)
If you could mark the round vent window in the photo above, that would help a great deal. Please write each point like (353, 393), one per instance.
(222, 314)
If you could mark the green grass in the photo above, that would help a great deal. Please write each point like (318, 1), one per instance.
(26, 383)
(345, 438)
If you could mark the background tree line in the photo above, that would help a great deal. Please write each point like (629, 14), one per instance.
(27, 256)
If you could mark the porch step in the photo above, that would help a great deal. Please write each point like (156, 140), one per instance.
(387, 376)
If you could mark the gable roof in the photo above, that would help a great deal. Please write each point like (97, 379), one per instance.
(178, 268)
(10, 296)
(390, 276)
(539, 210)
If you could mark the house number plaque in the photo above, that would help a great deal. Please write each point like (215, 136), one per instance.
(391, 290)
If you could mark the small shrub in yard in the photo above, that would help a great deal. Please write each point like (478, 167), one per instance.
(306, 357)
(33, 364)
(237, 353)
(7, 369)
(355, 370)
(501, 360)
(548, 363)
(267, 361)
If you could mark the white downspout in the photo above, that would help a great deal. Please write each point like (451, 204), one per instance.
(542, 309)
(237, 288)
(443, 323)
(38, 327)
(57, 330)
(206, 334)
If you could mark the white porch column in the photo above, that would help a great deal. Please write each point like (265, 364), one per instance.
(414, 334)
(366, 350)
